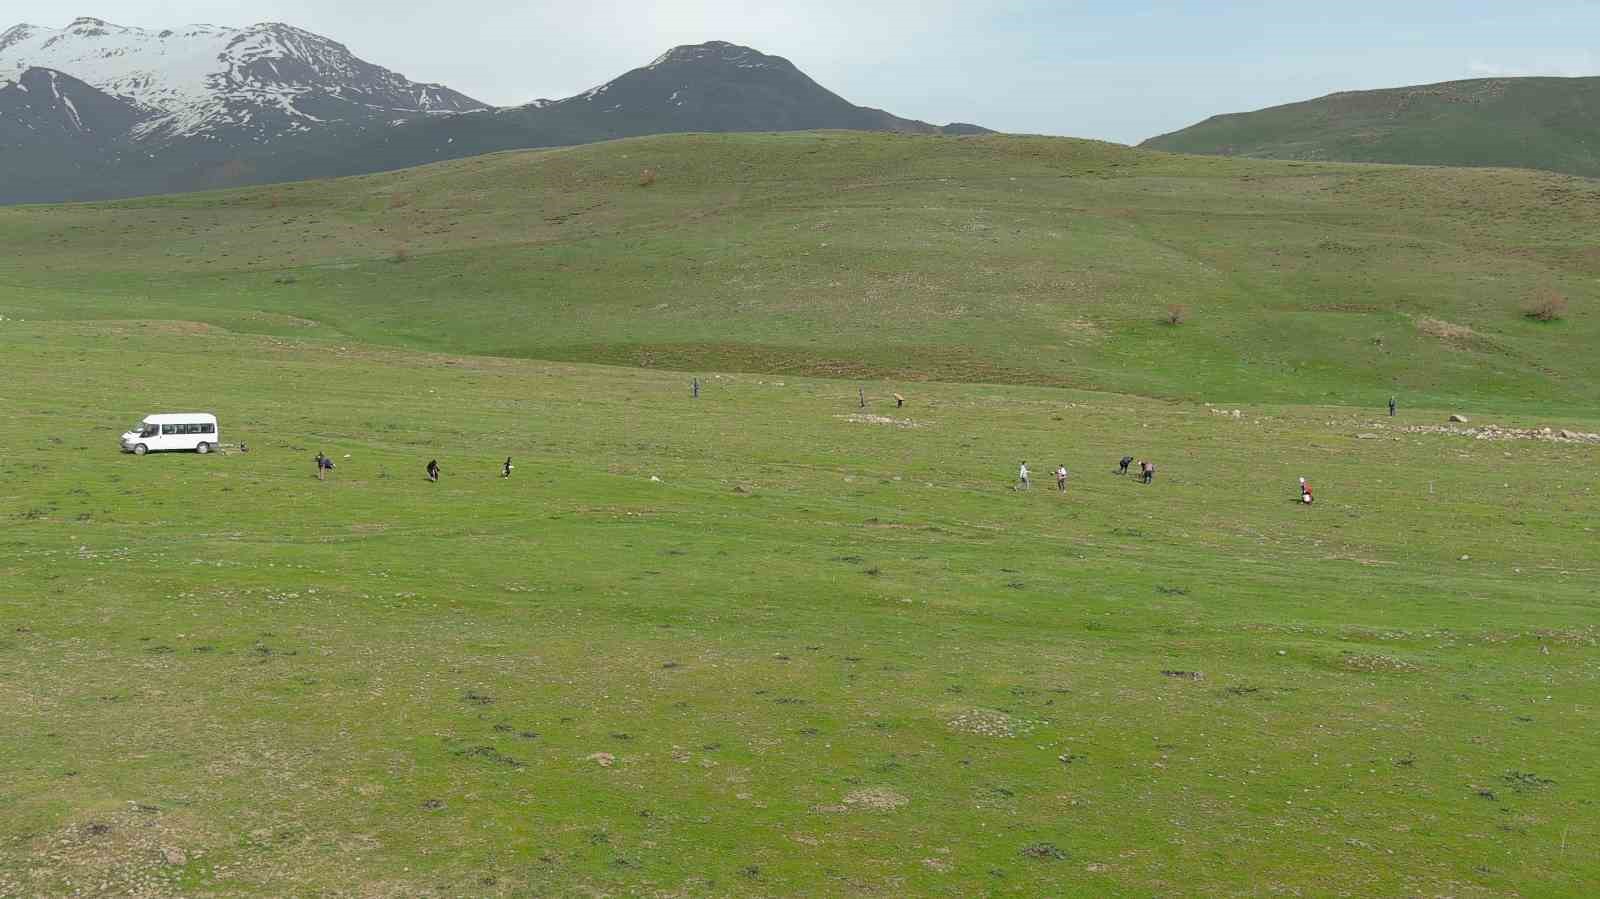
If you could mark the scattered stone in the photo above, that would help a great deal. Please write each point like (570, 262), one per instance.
(876, 798)
(603, 759)
(1186, 675)
(1524, 782)
(175, 856)
(491, 754)
(988, 723)
(1496, 432)
(1377, 663)
(866, 419)
(1458, 419)
(1046, 851)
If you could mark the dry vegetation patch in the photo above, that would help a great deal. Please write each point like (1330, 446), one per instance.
(1437, 327)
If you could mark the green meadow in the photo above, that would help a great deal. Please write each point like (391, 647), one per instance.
(1038, 261)
(767, 642)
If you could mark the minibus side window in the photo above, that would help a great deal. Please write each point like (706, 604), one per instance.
(208, 429)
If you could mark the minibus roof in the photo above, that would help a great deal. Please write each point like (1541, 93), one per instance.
(173, 418)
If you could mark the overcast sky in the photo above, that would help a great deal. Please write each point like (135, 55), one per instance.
(1122, 71)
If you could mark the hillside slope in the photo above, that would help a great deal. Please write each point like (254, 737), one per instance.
(979, 259)
(1536, 123)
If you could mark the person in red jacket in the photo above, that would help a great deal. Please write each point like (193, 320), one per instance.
(1305, 492)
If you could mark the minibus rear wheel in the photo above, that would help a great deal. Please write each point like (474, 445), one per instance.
(203, 448)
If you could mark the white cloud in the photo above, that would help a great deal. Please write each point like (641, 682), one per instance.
(1563, 68)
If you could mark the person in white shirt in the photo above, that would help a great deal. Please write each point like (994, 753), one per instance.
(1022, 477)
(1061, 479)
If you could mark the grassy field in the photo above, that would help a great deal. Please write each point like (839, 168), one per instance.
(1033, 261)
(767, 643)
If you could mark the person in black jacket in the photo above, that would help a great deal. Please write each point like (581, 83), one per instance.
(433, 470)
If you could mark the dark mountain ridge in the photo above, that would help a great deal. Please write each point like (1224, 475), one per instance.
(274, 103)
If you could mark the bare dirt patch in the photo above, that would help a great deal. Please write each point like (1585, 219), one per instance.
(878, 799)
(989, 723)
(1437, 327)
(1377, 663)
(127, 853)
(868, 419)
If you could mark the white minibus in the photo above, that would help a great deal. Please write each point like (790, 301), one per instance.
(174, 431)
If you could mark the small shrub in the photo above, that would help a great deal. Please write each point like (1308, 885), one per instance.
(647, 177)
(1546, 306)
(1177, 314)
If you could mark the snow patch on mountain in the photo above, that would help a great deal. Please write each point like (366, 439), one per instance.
(742, 57)
(209, 79)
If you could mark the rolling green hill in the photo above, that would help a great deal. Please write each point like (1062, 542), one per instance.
(987, 259)
(1534, 123)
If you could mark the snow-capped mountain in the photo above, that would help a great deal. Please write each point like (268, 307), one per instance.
(96, 110)
(46, 105)
(59, 135)
(226, 84)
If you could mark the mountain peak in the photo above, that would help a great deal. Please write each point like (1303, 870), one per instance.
(230, 84)
(16, 34)
(89, 26)
(721, 52)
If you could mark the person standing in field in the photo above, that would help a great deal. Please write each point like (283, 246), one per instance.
(324, 466)
(505, 470)
(1305, 492)
(1147, 472)
(1061, 479)
(1022, 477)
(1122, 467)
(318, 460)
(1391, 407)
(433, 470)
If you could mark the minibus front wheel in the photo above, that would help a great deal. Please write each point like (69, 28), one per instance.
(140, 449)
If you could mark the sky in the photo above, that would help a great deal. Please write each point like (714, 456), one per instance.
(1121, 71)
